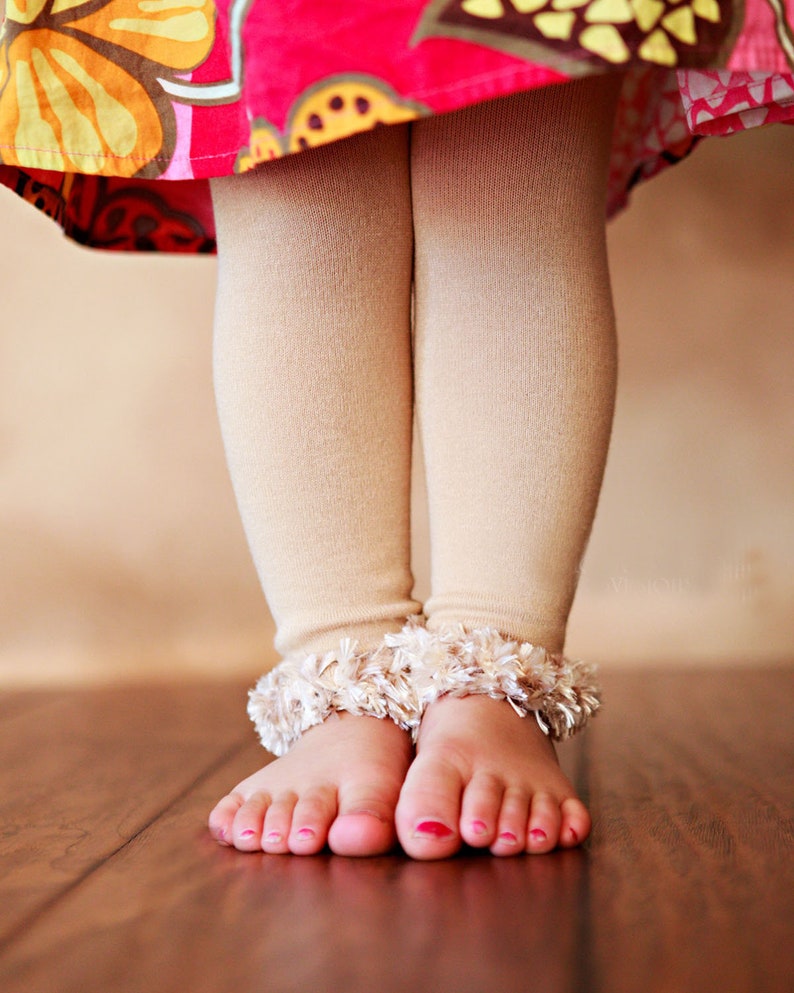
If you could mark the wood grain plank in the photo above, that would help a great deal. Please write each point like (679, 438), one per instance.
(686, 886)
(81, 772)
(691, 869)
(174, 911)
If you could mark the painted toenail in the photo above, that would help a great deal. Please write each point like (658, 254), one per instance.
(305, 833)
(248, 833)
(274, 837)
(479, 827)
(574, 836)
(432, 829)
(508, 837)
(536, 834)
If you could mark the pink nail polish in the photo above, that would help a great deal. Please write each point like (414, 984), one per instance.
(273, 837)
(536, 834)
(509, 837)
(247, 833)
(432, 829)
(305, 833)
(479, 827)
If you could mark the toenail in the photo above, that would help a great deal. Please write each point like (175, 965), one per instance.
(479, 827)
(509, 837)
(432, 829)
(248, 833)
(536, 834)
(305, 833)
(574, 836)
(274, 837)
(367, 813)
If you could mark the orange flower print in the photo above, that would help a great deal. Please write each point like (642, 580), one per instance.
(80, 81)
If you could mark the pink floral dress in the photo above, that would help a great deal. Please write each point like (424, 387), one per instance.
(113, 113)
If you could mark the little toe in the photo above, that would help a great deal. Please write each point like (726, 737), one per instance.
(482, 802)
(545, 817)
(222, 816)
(428, 812)
(576, 823)
(248, 823)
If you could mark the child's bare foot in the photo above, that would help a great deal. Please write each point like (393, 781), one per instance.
(338, 785)
(485, 776)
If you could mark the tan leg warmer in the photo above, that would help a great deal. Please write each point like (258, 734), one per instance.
(314, 384)
(515, 352)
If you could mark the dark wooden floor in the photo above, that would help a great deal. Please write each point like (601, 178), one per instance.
(108, 881)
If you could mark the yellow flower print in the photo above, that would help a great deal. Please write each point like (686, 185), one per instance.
(80, 86)
(567, 33)
(335, 107)
(668, 25)
(264, 145)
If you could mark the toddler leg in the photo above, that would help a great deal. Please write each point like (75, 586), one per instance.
(314, 389)
(515, 373)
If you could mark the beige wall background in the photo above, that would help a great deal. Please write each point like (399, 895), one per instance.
(121, 555)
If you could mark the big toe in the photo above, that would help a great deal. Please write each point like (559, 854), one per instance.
(364, 824)
(428, 813)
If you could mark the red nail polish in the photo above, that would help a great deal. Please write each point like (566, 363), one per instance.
(433, 829)
(537, 834)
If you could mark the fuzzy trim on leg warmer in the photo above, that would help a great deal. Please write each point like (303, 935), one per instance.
(412, 669)
(302, 692)
(563, 694)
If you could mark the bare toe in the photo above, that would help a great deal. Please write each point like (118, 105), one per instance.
(365, 822)
(248, 823)
(337, 786)
(576, 823)
(222, 816)
(428, 812)
(361, 834)
(278, 823)
(311, 820)
(511, 837)
(482, 802)
(544, 824)
(485, 776)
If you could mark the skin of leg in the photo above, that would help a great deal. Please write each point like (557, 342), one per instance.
(515, 374)
(315, 397)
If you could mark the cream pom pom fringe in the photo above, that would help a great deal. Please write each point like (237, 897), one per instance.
(401, 677)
